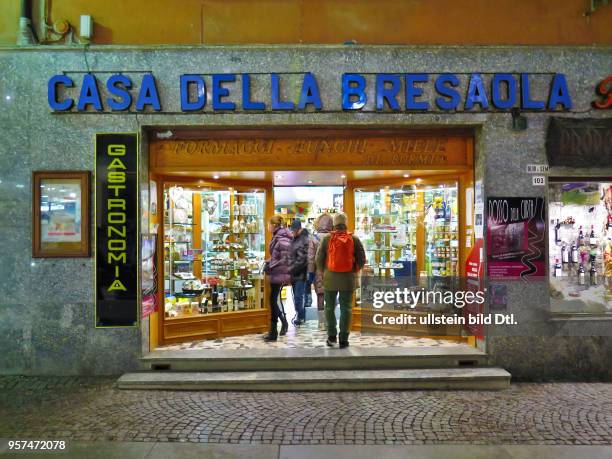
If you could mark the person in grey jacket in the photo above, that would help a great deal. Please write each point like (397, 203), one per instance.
(299, 266)
(278, 270)
(340, 285)
(323, 225)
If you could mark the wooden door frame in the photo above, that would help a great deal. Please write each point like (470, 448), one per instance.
(463, 174)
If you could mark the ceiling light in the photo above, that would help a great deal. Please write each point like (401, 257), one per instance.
(419, 180)
(406, 175)
(309, 182)
(8, 97)
(164, 135)
(216, 177)
(343, 176)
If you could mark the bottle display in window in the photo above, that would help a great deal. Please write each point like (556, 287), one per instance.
(214, 247)
(583, 241)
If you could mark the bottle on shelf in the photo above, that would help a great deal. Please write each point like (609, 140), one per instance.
(580, 237)
(564, 254)
(592, 238)
(574, 254)
(215, 296)
(593, 274)
(236, 209)
(557, 231)
(581, 277)
(558, 268)
(235, 225)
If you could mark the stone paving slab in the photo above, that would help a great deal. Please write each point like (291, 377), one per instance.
(96, 410)
(323, 380)
(143, 450)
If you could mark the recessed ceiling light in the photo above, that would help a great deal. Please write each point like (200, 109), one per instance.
(215, 176)
(309, 182)
(343, 176)
(8, 97)
(164, 135)
(406, 175)
(419, 180)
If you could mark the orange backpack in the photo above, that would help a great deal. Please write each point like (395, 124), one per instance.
(340, 252)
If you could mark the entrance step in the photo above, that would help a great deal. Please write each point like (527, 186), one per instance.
(352, 358)
(322, 380)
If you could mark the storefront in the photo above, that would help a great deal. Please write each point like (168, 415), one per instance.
(216, 126)
(216, 203)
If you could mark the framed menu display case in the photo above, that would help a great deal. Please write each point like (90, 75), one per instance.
(60, 213)
(214, 250)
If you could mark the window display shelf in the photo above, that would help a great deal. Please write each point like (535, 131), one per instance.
(224, 283)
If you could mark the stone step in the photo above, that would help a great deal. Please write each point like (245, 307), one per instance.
(322, 380)
(353, 358)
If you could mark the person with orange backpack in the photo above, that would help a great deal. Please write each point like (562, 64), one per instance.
(340, 257)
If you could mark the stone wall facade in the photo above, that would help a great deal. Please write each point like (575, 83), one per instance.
(46, 305)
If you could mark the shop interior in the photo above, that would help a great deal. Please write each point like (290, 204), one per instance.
(215, 239)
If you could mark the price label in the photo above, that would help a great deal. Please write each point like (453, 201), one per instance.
(537, 169)
(539, 180)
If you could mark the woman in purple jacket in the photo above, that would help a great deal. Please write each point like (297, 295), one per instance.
(278, 270)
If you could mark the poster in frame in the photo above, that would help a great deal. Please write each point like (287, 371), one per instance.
(60, 214)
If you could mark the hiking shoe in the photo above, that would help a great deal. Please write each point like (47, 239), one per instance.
(269, 337)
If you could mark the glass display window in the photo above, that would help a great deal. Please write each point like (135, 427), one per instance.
(410, 233)
(580, 246)
(214, 248)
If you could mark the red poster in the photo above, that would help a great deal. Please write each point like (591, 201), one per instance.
(515, 238)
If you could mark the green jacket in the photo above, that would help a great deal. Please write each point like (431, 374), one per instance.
(340, 281)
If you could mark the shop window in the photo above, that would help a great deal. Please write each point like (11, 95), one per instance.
(214, 247)
(580, 242)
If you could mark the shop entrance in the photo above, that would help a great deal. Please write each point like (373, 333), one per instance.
(407, 196)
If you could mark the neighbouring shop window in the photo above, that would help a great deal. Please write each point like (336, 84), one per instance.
(580, 241)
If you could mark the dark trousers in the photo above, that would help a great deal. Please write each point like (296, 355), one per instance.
(276, 310)
(298, 287)
(345, 299)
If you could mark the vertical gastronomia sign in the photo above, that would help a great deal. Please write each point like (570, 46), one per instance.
(116, 217)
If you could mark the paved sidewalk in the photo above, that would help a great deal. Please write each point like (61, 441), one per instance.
(77, 409)
(142, 450)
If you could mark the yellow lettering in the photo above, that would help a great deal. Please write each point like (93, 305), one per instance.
(116, 189)
(119, 258)
(116, 177)
(117, 285)
(116, 245)
(116, 150)
(115, 203)
(116, 163)
(116, 217)
(119, 231)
